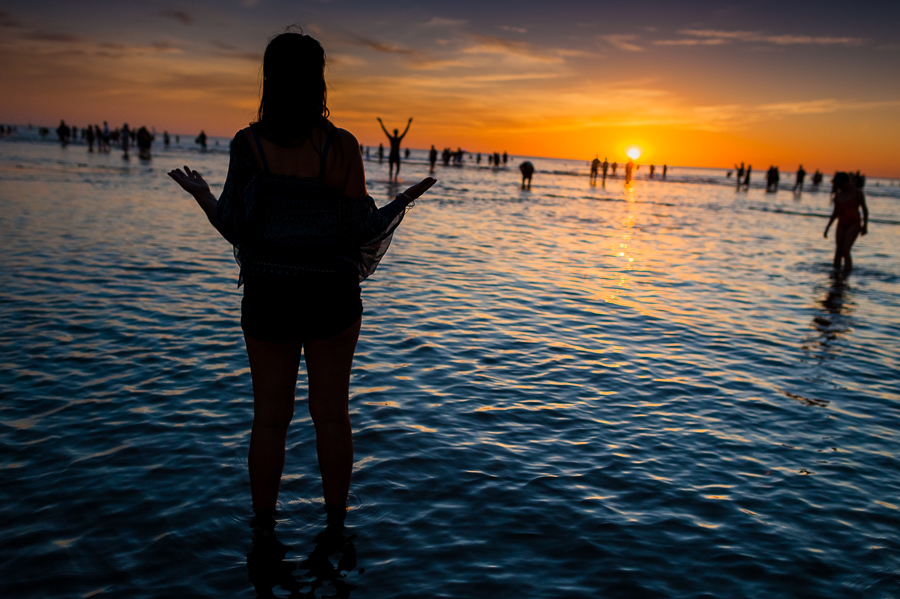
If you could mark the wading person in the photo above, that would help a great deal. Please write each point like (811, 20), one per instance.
(305, 232)
(848, 201)
(527, 171)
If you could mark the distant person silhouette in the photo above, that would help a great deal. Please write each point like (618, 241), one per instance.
(746, 182)
(166, 139)
(629, 171)
(394, 156)
(801, 175)
(201, 139)
(605, 167)
(89, 135)
(652, 170)
(772, 178)
(144, 143)
(63, 132)
(432, 157)
(505, 157)
(595, 168)
(665, 170)
(380, 153)
(740, 175)
(125, 140)
(614, 165)
(817, 178)
(527, 171)
(848, 201)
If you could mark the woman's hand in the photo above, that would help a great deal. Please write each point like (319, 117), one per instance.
(416, 191)
(190, 181)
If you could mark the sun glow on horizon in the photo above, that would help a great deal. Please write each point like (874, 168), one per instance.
(633, 152)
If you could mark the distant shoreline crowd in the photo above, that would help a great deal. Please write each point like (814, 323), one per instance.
(105, 138)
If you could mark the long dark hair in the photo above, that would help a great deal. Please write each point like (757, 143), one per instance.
(294, 95)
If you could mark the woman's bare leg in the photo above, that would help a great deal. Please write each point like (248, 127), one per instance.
(273, 367)
(328, 363)
(845, 237)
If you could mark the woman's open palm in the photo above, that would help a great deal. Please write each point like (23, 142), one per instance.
(190, 181)
(421, 187)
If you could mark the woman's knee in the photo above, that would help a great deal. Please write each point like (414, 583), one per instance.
(329, 412)
(272, 423)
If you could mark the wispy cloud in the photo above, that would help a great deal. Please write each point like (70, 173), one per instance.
(40, 35)
(442, 22)
(716, 37)
(513, 29)
(382, 47)
(436, 64)
(45, 42)
(622, 41)
(716, 41)
(229, 51)
(497, 45)
(178, 15)
(738, 116)
(7, 20)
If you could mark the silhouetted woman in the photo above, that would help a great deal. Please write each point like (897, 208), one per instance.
(848, 201)
(305, 233)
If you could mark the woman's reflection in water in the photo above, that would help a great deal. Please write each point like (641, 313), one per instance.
(834, 318)
(323, 574)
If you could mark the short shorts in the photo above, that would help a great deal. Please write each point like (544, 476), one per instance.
(314, 306)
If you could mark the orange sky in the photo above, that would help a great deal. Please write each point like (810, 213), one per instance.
(570, 82)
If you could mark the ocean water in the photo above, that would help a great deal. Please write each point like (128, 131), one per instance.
(573, 391)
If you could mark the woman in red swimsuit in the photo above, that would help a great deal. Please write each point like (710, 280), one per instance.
(848, 201)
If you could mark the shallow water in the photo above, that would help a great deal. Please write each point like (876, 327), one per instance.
(575, 391)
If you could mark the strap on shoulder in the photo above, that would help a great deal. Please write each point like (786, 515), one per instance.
(324, 159)
(259, 148)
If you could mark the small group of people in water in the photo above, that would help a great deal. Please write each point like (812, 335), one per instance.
(630, 167)
(124, 137)
(773, 178)
(457, 158)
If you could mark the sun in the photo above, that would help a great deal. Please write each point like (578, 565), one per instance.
(633, 152)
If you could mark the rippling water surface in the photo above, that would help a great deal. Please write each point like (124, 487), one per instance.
(575, 391)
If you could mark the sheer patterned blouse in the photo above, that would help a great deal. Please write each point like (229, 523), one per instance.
(285, 226)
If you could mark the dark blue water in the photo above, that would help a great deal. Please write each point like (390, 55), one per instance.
(571, 392)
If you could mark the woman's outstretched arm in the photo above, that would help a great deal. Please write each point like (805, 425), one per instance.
(194, 184)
